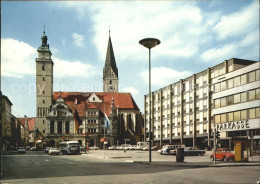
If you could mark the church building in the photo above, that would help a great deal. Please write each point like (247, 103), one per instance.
(81, 116)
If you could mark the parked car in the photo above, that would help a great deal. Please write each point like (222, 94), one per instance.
(191, 151)
(223, 154)
(34, 149)
(171, 149)
(47, 149)
(21, 150)
(93, 148)
(54, 151)
(113, 147)
(83, 148)
(146, 148)
(28, 148)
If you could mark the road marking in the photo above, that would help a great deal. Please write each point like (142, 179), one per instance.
(37, 163)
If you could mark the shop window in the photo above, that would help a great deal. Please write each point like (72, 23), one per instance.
(237, 81)
(252, 76)
(252, 95)
(252, 113)
(237, 98)
(237, 116)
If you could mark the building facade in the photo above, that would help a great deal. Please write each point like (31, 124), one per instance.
(182, 111)
(80, 116)
(236, 111)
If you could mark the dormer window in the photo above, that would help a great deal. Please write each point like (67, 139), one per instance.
(94, 98)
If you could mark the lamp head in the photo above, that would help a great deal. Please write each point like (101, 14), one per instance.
(149, 42)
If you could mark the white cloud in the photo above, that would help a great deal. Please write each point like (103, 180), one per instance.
(238, 23)
(164, 76)
(18, 60)
(64, 68)
(78, 39)
(131, 90)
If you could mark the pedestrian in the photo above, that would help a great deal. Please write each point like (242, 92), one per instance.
(87, 148)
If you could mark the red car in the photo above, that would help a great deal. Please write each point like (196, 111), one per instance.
(223, 154)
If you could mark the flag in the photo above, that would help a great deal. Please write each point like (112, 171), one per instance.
(107, 122)
(77, 120)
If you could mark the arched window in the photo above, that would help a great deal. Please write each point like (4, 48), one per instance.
(59, 127)
(67, 127)
(52, 127)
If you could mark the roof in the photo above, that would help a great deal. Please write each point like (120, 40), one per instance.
(121, 100)
(110, 59)
(31, 122)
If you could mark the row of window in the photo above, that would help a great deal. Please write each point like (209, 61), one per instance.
(238, 115)
(92, 113)
(59, 127)
(42, 111)
(237, 98)
(92, 121)
(237, 81)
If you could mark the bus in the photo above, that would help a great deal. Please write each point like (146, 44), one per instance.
(70, 147)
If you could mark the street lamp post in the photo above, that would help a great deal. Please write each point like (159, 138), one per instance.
(150, 43)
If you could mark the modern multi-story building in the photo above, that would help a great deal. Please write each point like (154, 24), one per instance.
(182, 112)
(236, 110)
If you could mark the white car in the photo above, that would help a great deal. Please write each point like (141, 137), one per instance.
(21, 150)
(112, 147)
(54, 151)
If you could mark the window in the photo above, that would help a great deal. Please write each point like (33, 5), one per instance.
(243, 114)
(205, 116)
(223, 118)
(217, 87)
(43, 92)
(217, 119)
(67, 127)
(223, 85)
(252, 95)
(223, 102)
(243, 97)
(59, 127)
(257, 94)
(43, 78)
(230, 68)
(229, 100)
(257, 75)
(230, 116)
(252, 76)
(244, 79)
(230, 83)
(237, 116)
(237, 81)
(217, 103)
(251, 113)
(237, 98)
(257, 112)
(43, 67)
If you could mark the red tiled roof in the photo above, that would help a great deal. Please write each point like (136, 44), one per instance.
(121, 100)
(31, 122)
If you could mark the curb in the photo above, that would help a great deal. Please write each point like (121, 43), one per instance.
(174, 164)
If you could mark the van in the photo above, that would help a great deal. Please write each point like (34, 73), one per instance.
(166, 148)
(141, 145)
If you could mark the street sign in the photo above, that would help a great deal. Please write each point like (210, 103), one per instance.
(126, 140)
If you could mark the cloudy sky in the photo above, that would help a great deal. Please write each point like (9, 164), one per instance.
(194, 35)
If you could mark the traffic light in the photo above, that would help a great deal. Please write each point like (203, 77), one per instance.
(217, 134)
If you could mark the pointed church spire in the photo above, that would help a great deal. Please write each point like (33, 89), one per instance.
(110, 59)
